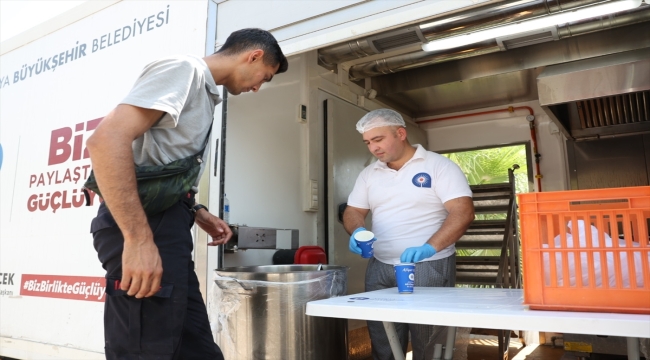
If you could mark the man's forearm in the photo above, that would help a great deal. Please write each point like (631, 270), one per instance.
(112, 162)
(353, 220)
(451, 230)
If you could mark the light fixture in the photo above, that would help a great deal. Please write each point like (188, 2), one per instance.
(531, 25)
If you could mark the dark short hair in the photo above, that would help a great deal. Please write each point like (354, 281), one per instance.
(251, 39)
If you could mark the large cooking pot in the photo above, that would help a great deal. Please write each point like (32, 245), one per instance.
(258, 312)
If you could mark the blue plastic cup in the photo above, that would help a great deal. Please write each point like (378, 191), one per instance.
(405, 275)
(365, 240)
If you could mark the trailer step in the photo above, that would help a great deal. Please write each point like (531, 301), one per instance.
(477, 260)
(491, 209)
(491, 188)
(488, 224)
(479, 244)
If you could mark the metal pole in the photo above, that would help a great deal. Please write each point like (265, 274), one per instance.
(451, 341)
(222, 170)
(633, 348)
(398, 353)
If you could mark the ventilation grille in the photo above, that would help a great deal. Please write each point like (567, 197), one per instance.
(396, 41)
(614, 110)
(529, 40)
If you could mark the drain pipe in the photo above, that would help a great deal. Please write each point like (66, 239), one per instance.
(533, 136)
(533, 133)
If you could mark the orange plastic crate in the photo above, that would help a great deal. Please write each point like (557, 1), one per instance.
(587, 250)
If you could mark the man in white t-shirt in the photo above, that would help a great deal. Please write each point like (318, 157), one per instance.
(421, 205)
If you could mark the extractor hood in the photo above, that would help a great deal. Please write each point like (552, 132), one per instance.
(598, 97)
(603, 76)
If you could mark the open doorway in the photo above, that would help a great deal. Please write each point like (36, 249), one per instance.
(486, 252)
(490, 165)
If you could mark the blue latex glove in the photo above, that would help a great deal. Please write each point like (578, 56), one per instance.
(415, 254)
(353, 243)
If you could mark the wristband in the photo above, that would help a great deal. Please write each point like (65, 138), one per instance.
(198, 207)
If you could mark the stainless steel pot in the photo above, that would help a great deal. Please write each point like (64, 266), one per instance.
(258, 312)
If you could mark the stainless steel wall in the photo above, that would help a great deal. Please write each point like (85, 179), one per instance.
(606, 163)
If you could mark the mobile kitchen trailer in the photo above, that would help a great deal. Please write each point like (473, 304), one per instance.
(288, 156)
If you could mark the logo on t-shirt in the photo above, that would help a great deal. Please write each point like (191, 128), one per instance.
(422, 180)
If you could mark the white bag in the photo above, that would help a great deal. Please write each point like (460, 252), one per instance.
(596, 259)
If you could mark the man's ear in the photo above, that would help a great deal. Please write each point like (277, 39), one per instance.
(255, 55)
(401, 132)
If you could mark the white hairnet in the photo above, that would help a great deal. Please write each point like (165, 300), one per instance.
(378, 118)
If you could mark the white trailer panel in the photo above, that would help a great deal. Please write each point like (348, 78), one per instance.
(54, 91)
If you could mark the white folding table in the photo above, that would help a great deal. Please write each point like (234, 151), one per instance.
(476, 308)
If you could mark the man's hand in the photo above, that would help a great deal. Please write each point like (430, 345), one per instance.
(215, 227)
(415, 254)
(353, 222)
(354, 247)
(141, 266)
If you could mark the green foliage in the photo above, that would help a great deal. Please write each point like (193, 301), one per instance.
(490, 166)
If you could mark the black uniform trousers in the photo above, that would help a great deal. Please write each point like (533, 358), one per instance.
(173, 324)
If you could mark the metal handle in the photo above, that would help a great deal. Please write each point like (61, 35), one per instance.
(244, 286)
(216, 156)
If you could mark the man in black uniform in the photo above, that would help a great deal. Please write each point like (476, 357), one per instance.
(154, 309)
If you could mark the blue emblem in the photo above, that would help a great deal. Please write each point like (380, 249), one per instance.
(422, 180)
(0, 156)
